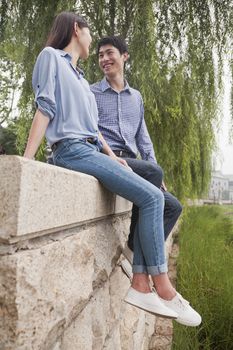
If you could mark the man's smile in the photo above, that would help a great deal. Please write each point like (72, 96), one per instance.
(107, 65)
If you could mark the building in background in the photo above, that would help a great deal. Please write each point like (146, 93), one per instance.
(221, 187)
(230, 187)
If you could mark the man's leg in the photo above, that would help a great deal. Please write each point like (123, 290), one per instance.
(153, 173)
(172, 211)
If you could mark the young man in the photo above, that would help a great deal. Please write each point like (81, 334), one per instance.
(121, 121)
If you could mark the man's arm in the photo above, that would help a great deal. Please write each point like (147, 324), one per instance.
(144, 143)
(143, 140)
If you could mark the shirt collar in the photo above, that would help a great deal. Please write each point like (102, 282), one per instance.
(69, 57)
(64, 54)
(105, 86)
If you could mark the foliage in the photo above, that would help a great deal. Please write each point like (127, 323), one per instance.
(23, 31)
(7, 138)
(205, 278)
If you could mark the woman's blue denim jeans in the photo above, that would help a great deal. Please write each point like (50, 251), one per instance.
(149, 249)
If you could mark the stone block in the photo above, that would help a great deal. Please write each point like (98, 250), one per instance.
(37, 197)
(51, 286)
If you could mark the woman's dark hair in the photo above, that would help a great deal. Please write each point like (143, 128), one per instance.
(115, 41)
(62, 29)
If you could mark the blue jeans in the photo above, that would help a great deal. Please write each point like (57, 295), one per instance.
(149, 248)
(153, 173)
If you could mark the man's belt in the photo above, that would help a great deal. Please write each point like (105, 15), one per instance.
(124, 154)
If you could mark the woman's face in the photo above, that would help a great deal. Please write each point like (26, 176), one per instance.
(84, 41)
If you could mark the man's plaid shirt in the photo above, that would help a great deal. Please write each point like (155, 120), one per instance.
(121, 120)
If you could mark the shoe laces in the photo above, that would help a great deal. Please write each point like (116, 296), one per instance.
(179, 299)
(182, 301)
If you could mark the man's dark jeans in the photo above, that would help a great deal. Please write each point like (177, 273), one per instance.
(153, 173)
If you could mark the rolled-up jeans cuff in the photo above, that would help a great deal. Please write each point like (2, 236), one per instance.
(157, 270)
(139, 269)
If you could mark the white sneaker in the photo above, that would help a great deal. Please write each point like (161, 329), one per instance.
(128, 254)
(186, 314)
(127, 268)
(149, 302)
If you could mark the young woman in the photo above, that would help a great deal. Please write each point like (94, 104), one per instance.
(67, 114)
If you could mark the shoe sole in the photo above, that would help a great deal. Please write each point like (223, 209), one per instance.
(151, 312)
(186, 323)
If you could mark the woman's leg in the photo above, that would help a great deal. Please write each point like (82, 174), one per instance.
(141, 282)
(84, 157)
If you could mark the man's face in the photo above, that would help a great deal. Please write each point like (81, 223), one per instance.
(111, 61)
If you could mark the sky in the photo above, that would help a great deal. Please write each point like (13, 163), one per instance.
(224, 155)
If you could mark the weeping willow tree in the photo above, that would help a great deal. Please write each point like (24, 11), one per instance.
(194, 29)
(171, 47)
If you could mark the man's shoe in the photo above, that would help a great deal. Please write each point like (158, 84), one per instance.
(186, 314)
(149, 302)
(128, 254)
(127, 268)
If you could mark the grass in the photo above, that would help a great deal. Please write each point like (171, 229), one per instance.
(205, 277)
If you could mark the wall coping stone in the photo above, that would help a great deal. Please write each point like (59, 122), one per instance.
(38, 198)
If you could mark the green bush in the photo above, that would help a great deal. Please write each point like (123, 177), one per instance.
(205, 277)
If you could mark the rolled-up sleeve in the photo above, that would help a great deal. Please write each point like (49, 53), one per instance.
(44, 82)
(143, 140)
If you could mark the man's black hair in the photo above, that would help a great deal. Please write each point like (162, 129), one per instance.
(115, 41)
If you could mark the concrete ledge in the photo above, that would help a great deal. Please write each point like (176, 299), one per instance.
(37, 197)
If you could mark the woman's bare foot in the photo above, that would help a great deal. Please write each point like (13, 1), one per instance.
(163, 286)
(140, 282)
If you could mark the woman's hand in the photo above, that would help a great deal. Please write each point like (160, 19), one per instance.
(121, 161)
(107, 150)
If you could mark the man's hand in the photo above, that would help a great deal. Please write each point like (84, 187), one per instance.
(163, 186)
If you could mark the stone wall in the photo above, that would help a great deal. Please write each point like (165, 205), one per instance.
(61, 286)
